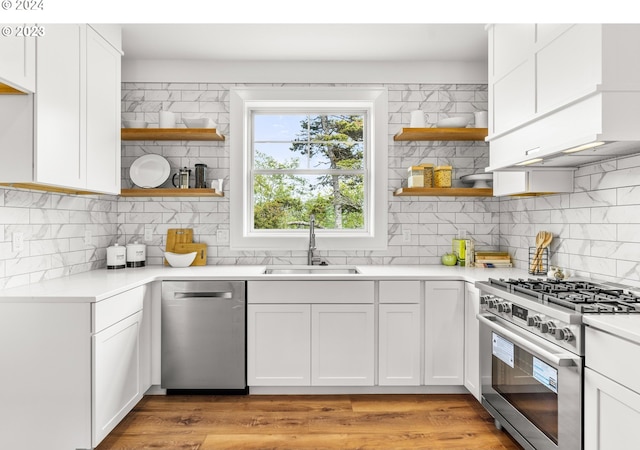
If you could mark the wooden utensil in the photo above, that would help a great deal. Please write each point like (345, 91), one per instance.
(545, 243)
(539, 240)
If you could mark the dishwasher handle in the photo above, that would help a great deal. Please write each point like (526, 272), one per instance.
(183, 295)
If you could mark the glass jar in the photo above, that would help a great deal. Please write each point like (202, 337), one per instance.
(442, 176)
(427, 170)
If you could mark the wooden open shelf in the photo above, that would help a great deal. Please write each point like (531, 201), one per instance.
(441, 134)
(170, 192)
(171, 134)
(5, 89)
(444, 192)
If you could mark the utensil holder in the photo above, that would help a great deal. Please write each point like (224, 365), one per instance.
(538, 261)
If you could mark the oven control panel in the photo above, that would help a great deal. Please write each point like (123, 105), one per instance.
(547, 327)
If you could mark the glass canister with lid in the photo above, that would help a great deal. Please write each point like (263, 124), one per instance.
(442, 176)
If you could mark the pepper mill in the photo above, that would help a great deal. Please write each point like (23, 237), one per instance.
(201, 176)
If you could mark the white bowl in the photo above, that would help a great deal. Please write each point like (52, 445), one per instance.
(134, 124)
(180, 259)
(203, 122)
(453, 122)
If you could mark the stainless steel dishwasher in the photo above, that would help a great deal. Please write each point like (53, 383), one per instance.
(204, 336)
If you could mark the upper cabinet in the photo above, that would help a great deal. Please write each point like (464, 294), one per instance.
(18, 68)
(556, 87)
(66, 137)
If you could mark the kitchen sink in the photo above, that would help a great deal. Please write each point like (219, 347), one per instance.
(318, 270)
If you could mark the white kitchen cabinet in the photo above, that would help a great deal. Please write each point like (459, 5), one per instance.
(116, 356)
(612, 413)
(532, 181)
(342, 345)
(399, 346)
(279, 345)
(103, 148)
(310, 333)
(611, 392)
(18, 68)
(472, 340)
(67, 136)
(554, 87)
(116, 374)
(59, 150)
(444, 332)
(79, 363)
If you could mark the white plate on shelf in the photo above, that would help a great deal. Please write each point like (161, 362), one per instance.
(479, 180)
(149, 171)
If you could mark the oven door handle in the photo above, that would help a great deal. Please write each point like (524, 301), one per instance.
(560, 360)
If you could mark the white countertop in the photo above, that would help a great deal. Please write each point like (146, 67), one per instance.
(99, 284)
(626, 326)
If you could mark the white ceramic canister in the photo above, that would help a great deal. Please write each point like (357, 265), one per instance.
(167, 119)
(136, 255)
(116, 257)
(481, 119)
(417, 119)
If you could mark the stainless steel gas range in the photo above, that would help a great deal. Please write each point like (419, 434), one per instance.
(532, 354)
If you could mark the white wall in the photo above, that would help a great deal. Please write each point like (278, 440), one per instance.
(407, 72)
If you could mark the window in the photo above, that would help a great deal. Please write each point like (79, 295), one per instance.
(297, 152)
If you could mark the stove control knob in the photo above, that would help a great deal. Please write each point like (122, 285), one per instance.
(534, 321)
(492, 303)
(485, 298)
(548, 327)
(504, 307)
(564, 334)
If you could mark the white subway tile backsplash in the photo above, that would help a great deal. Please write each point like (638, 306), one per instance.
(596, 229)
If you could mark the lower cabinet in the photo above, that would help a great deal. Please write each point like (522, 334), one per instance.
(118, 378)
(116, 374)
(612, 413)
(342, 345)
(399, 345)
(611, 391)
(472, 340)
(310, 345)
(444, 333)
(71, 371)
(279, 345)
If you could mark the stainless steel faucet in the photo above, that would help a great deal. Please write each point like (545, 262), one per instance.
(312, 259)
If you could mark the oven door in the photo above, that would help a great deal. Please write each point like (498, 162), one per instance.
(530, 386)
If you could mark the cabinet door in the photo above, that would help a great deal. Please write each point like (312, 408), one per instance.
(116, 374)
(59, 124)
(444, 333)
(399, 345)
(342, 345)
(103, 115)
(611, 413)
(472, 340)
(278, 345)
(18, 68)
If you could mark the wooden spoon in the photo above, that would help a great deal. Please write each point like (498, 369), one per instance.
(545, 243)
(539, 240)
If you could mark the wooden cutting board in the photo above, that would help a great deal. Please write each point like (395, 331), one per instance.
(201, 257)
(177, 236)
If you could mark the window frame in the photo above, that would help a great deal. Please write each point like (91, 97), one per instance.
(243, 101)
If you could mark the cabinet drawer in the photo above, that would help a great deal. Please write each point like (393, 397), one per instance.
(613, 357)
(310, 292)
(399, 292)
(113, 309)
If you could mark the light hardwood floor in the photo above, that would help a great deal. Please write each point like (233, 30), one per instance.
(308, 422)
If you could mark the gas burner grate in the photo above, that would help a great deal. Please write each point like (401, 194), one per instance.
(578, 295)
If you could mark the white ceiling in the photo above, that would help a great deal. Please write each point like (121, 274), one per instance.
(306, 42)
